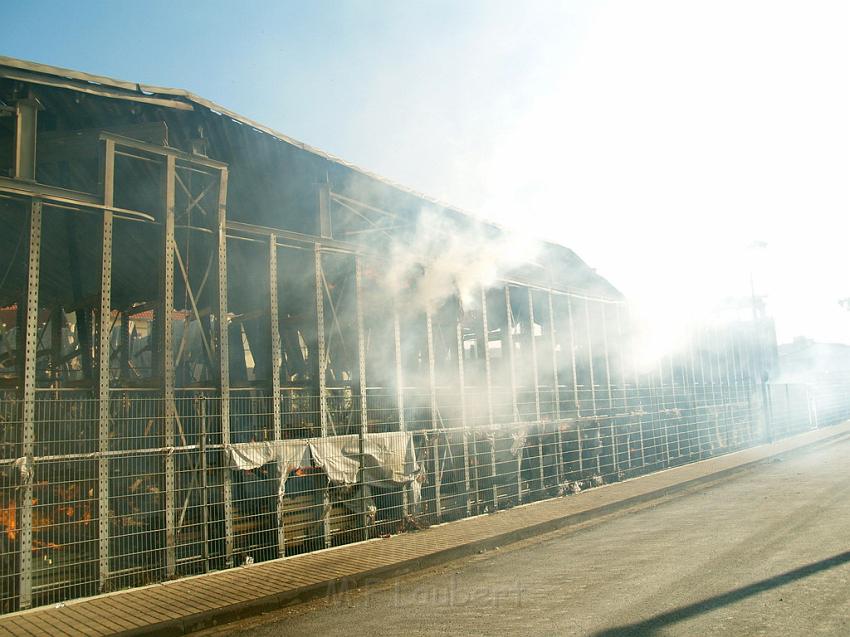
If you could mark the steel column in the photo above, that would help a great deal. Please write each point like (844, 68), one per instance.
(612, 428)
(361, 385)
(535, 379)
(509, 334)
(703, 381)
(399, 370)
(812, 408)
(167, 332)
(638, 397)
(721, 383)
(488, 377)
(28, 396)
(541, 429)
(224, 361)
(277, 362)
(747, 386)
(736, 376)
(579, 441)
(399, 390)
(691, 379)
(320, 343)
(698, 390)
(123, 345)
(463, 419)
(729, 375)
(589, 338)
(26, 126)
(57, 319)
(322, 370)
(556, 389)
(202, 452)
(103, 367)
(432, 391)
(662, 410)
(675, 403)
(607, 357)
(488, 374)
(715, 404)
(625, 407)
(732, 382)
(745, 373)
(325, 229)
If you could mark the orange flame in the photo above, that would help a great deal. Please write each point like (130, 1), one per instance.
(8, 519)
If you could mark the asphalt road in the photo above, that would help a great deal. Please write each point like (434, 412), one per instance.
(766, 552)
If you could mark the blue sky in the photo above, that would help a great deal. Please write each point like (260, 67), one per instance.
(657, 138)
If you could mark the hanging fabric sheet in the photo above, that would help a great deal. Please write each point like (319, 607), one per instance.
(388, 458)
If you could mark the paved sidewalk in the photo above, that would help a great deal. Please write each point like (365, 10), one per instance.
(187, 604)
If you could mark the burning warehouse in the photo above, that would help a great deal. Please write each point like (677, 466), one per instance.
(219, 345)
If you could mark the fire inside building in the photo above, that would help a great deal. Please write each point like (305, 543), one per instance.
(221, 346)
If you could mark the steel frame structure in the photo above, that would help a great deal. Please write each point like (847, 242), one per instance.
(536, 390)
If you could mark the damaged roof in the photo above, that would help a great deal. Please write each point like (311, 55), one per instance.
(567, 266)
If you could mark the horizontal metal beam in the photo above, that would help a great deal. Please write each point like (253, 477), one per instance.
(128, 142)
(67, 199)
(61, 195)
(356, 202)
(91, 89)
(32, 189)
(298, 237)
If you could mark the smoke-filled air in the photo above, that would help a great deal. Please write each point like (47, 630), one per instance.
(350, 286)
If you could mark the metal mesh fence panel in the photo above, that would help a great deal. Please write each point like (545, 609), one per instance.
(441, 455)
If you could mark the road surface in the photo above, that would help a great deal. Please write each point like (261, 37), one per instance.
(766, 552)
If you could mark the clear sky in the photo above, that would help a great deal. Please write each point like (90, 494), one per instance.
(659, 139)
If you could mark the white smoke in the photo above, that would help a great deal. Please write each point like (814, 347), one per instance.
(443, 258)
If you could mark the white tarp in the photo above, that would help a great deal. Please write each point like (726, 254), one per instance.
(290, 454)
(388, 458)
